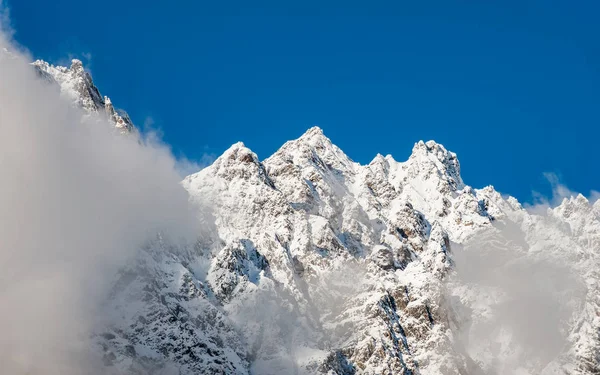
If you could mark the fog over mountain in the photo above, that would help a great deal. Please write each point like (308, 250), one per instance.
(306, 262)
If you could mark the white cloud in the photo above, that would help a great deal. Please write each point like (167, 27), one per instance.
(77, 200)
(5, 24)
(87, 56)
(560, 191)
(528, 299)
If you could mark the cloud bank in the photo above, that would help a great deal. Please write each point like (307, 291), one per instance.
(76, 201)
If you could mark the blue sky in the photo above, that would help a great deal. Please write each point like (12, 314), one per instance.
(513, 87)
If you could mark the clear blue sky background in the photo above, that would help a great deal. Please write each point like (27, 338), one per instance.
(513, 87)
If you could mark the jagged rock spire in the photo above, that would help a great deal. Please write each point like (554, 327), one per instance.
(76, 84)
(429, 156)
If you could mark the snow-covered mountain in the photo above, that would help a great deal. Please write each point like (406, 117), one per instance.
(76, 84)
(310, 263)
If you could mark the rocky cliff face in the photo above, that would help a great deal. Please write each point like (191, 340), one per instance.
(76, 84)
(310, 263)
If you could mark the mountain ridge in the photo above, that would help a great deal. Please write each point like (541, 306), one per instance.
(311, 263)
(76, 84)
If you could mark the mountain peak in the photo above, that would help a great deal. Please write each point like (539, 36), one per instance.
(314, 148)
(433, 153)
(237, 163)
(378, 159)
(239, 152)
(77, 85)
(314, 136)
(314, 130)
(76, 66)
(433, 147)
(579, 200)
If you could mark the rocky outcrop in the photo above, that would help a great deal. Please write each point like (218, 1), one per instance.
(76, 84)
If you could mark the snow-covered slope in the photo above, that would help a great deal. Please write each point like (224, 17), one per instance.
(310, 263)
(362, 257)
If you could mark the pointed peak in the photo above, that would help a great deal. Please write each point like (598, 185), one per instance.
(436, 150)
(238, 162)
(77, 70)
(313, 147)
(236, 146)
(40, 63)
(378, 159)
(390, 159)
(577, 202)
(238, 152)
(572, 205)
(314, 136)
(312, 132)
(490, 189)
(380, 164)
(430, 147)
(430, 154)
(580, 198)
(76, 64)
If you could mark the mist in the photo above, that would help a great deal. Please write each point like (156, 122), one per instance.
(77, 200)
(518, 305)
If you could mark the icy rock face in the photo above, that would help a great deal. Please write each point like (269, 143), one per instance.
(164, 320)
(77, 85)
